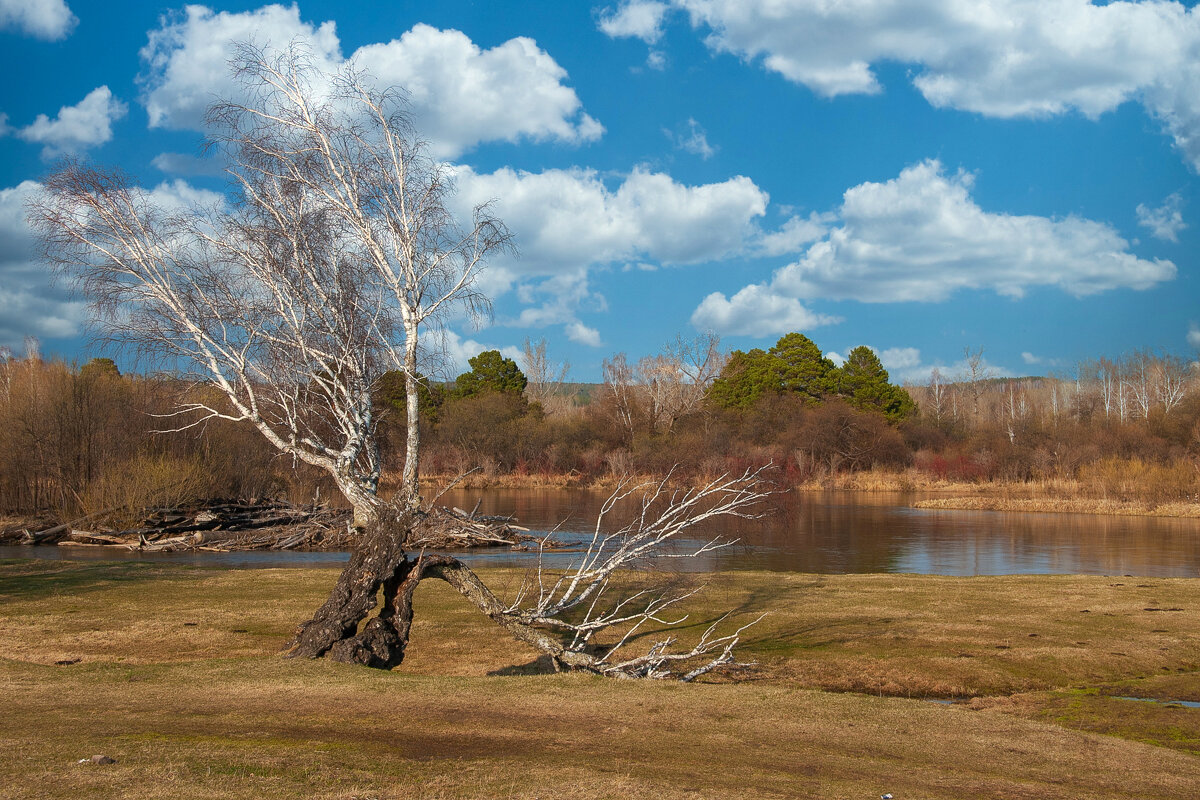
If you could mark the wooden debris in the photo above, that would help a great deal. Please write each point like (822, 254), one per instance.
(454, 529)
(226, 525)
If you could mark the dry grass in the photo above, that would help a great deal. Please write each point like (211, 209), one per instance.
(175, 674)
(1061, 505)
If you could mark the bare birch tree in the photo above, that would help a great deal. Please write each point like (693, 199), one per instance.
(620, 393)
(335, 248)
(936, 394)
(335, 251)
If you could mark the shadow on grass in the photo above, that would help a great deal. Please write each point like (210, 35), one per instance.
(35, 579)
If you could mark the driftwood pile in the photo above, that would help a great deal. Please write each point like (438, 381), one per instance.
(268, 525)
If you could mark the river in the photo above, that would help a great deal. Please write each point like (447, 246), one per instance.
(831, 532)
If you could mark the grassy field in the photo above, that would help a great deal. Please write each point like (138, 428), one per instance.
(174, 672)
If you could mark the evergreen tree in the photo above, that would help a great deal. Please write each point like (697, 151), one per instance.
(745, 378)
(802, 368)
(864, 383)
(490, 372)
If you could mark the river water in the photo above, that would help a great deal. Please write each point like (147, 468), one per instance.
(833, 532)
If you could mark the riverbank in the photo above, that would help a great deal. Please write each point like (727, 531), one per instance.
(1057, 495)
(189, 696)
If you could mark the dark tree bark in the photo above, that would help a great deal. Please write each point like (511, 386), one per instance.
(380, 568)
(378, 562)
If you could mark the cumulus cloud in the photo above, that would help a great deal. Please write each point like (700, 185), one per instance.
(691, 138)
(582, 334)
(1030, 358)
(460, 94)
(42, 19)
(899, 357)
(1164, 222)
(567, 222)
(634, 18)
(892, 359)
(794, 234)
(1007, 58)
(178, 195)
(31, 303)
(756, 311)
(571, 218)
(921, 237)
(88, 123)
(1193, 336)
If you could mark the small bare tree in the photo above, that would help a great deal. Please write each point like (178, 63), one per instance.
(546, 378)
(620, 394)
(676, 380)
(937, 394)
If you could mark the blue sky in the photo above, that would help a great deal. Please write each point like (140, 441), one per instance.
(921, 176)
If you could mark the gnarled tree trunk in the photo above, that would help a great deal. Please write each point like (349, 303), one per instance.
(558, 616)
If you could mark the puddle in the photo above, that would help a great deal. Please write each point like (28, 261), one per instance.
(1172, 703)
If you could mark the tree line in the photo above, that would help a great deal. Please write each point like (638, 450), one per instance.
(76, 439)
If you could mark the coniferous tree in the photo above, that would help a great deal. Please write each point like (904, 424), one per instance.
(803, 368)
(490, 372)
(864, 383)
(745, 378)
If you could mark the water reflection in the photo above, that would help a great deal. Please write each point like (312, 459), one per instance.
(840, 532)
(833, 532)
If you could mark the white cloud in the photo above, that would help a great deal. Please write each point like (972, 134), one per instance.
(187, 59)
(85, 124)
(31, 302)
(692, 139)
(837, 358)
(795, 234)
(42, 19)
(918, 372)
(1164, 222)
(899, 357)
(1006, 58)
(1030, 358)
(756, 311)
(460, 94)
(564, 219)
(920, 237)
(656, 60)
(567, 222)
(582, 334)
(1193, 336)
(640, 19)
(178, 195)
